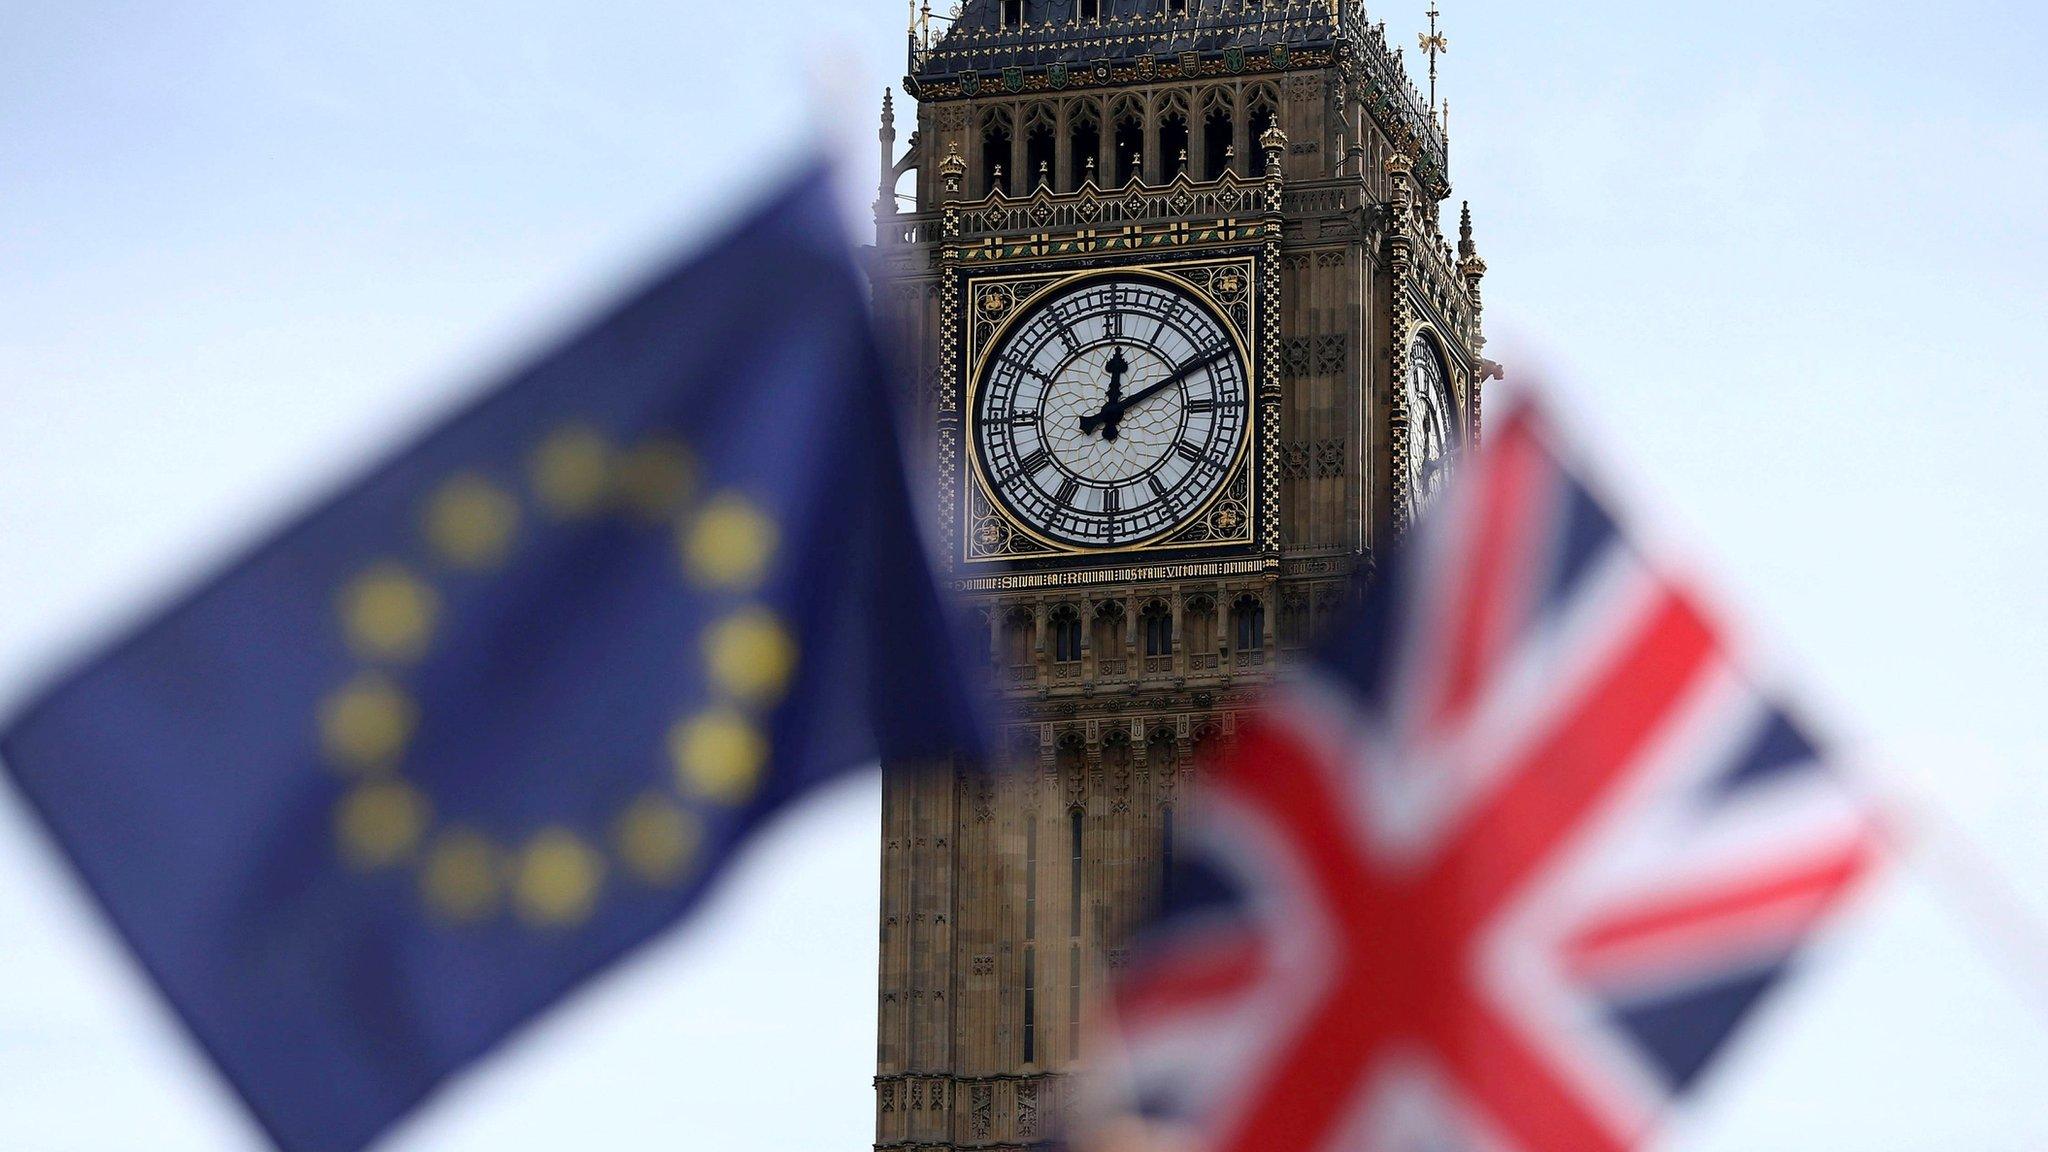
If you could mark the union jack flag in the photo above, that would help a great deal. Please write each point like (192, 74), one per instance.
(1502, 871)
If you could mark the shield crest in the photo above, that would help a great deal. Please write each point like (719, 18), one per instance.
(1056, 75)
(1279, 55)
(1102, 72)
(1013, 79)
(1233, 58)
(969, 83)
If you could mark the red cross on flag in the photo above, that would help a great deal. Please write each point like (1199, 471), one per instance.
(1500, 872)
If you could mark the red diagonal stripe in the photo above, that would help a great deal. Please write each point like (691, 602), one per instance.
(1782, 904)
(1493, 595)
(1549, 790)
(1315, 1080)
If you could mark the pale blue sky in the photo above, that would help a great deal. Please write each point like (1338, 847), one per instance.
(1788, 257)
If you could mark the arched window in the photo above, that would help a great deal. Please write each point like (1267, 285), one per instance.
(1066, 634)
(1039, 151)
(1074, 867)
(1160, 750)
(1091, 10)
(1108, 638)
(1198, 625)
(1084, 144)
(995, 150)
(1208, 746)
(1219, 131)
(1173, 141)
(1071, 752)
(1294, 621)
(1019, 637)
(1176, 7)
(1156, 623)
(1260, 116)
(1013, 13)
(1130, 142)
(1248, 623)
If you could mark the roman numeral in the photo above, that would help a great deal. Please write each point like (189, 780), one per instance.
(1068, 491)
(1112, 502)
(1024, 419)
(1190, 450)
(1205, 404)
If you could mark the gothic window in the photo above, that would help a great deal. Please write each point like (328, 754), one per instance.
(1071, 752)
(1156, 622)
(995, 150)
(1248, 621)
(1018, 638)
(1031, 877)
(1130, 142)
(1038, 148)
(1084, 143)
(1013, 13)
(1109, 631)
(1198, 618)
(1219, 131)
(1074, 998)
(1030, 1004)
(1074, 819)
(1091, 10)
(1066, 634)
(1159, 750)
(1261, 115)
(1173, 142)
(1177, 7)
(1294, 625)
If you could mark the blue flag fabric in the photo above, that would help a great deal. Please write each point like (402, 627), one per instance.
(503, 710)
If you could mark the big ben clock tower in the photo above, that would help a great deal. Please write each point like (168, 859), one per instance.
(1189, 345)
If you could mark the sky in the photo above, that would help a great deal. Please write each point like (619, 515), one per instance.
(1787, 262)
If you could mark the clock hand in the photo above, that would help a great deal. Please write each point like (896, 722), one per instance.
(1109, 416)
(1113, 402)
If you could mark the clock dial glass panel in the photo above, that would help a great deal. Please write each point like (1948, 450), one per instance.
(1432, 430)
(1111, 413)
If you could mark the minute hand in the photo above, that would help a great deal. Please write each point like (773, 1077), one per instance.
(1114, 413)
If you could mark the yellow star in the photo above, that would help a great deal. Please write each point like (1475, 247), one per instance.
(718, 755)
(751, 655)
(656, 839)
(460, 879)
(470, 522)
(656, 478)
(388, 613)
(558, 879)
(729, 544)
(572, 471)
(366, 723)
(380, 823)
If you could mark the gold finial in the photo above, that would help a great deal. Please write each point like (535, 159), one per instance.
(1436, 44)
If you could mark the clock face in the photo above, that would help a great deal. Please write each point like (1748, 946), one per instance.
(1432, 428)
(1111, 413)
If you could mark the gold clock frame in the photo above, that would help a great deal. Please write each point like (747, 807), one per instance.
(1010, 296)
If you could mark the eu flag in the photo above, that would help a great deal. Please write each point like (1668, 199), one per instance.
(506, 707)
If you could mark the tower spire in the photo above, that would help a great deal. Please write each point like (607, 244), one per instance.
(1435, 43)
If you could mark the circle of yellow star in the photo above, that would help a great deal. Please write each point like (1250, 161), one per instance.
(470, 522)
(729, 544)
(572, 471)
(656, 840)
(557, 879)
(365, 724)
(718, 755)
(751, 655)
(388, 613)
(460, 878)
(656, 478)
(379, 823)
